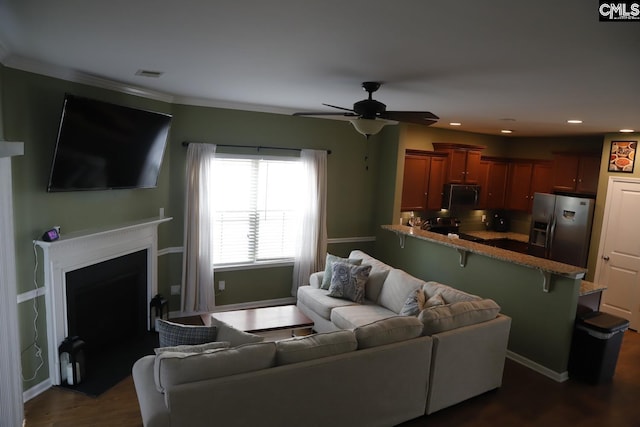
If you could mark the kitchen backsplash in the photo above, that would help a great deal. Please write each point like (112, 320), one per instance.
(471, 220)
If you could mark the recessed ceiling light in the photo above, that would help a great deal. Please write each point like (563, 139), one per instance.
(627, 130)
(506, 131)
(455, 124)
(574, 121)
(149, 73)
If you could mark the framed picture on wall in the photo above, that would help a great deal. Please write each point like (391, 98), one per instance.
(622, 156)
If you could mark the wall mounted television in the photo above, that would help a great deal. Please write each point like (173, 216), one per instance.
(104, 146)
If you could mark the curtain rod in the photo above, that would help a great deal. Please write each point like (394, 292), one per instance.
(257, 147)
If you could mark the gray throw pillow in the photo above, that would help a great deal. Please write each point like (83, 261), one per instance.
(172, 334)
(347, 281)
(328, 269)
(411, 306)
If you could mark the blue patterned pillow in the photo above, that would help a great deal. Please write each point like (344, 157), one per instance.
(328, 270)
(171, 334)
(347, 281)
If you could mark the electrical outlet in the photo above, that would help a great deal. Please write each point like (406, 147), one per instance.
(175, 290)
(484, 218)
(221, 285)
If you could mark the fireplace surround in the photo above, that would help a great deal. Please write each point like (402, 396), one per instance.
(76, 251)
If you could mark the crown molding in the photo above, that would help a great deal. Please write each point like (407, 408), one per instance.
(64, 73)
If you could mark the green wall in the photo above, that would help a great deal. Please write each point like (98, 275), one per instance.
(31, 108)
(542, 323)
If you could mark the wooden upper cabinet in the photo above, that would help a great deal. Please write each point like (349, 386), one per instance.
(464, 162)
(576, 173)
(437, 176)
(423, 180)
(493, 182)
(527, 177)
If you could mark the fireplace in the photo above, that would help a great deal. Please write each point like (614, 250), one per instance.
(68, 257)
(106, 302)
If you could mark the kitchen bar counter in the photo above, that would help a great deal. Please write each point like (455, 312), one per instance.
(545, 266)
(587, 288)
(496, 235)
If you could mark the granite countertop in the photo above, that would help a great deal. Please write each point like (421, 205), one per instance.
(545, 265)
(587, 288)
(495, 235)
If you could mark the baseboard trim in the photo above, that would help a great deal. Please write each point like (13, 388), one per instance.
(36, 390)
(239, 306)
(556, 376)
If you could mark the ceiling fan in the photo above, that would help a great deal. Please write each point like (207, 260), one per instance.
(370, 116)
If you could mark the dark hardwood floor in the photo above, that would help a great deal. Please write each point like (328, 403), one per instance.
(526, 398)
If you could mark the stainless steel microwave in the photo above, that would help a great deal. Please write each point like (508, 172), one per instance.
(460, 196)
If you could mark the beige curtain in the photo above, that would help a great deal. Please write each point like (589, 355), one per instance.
(198, 291)
(312, 236)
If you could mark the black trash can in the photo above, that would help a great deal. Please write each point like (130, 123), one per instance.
(596, 343)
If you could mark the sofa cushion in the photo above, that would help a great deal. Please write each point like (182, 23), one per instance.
(172, 334)
(315, 346)
(180, 368)
(396, 288)
(357, 315)
(347, 281)
(319, 301)
(451, 316)
(387, 331)
(328, 268)
(234, 336)
(377, 276)
(449, 294)
(199, 348)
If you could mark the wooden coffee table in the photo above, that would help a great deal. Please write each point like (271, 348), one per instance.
(263, 320)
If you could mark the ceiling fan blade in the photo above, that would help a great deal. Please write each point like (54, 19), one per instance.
(420, 117)
(324, 113)
(339, 108)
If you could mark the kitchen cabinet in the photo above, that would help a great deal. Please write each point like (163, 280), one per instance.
(423, 180)
(527, 177)
(464, 162)
(493, 182)
(576, 173)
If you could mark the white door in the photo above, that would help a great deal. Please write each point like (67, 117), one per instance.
(619, 253)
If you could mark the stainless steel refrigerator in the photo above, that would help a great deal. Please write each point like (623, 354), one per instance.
(561, 228)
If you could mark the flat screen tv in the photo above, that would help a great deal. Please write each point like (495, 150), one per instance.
(102, 146)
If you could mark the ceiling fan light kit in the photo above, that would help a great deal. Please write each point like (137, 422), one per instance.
(369, 127)
(370, 116)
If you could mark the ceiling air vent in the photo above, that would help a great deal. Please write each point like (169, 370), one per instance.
(149, 73)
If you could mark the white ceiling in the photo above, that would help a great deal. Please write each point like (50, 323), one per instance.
(475, 62)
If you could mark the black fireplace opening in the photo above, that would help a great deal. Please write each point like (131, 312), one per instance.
(106, 302)
(107, 309)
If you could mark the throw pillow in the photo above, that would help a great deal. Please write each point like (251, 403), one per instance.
(328, 269)
(171, 334)
(434, 301)
(412, 304)
(347, 281)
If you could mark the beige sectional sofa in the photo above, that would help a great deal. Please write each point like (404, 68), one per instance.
(372, 367)
(374, 375)
(469, 335)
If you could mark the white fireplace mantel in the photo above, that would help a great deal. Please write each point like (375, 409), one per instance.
(81, 249)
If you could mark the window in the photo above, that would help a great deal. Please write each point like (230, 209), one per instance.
(255, 211)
